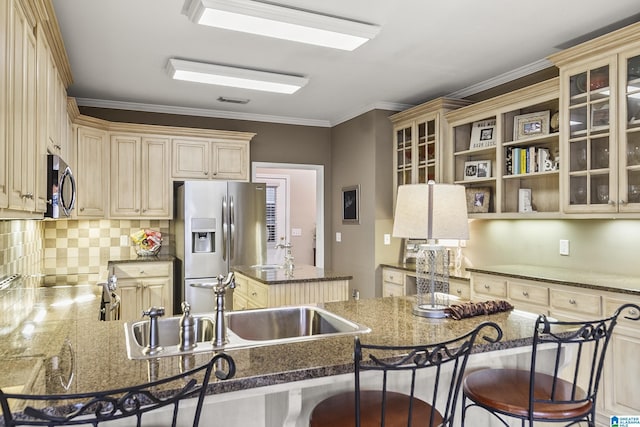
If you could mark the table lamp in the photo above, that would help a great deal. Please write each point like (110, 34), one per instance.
(431, 211)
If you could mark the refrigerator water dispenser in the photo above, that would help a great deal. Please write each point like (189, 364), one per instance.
(203, 237)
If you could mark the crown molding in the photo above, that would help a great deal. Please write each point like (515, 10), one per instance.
(202, 112)
(507, 77)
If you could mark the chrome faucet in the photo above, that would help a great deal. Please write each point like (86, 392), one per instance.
(220, 289)
(187, 328)
(154, 346)
(288, 258)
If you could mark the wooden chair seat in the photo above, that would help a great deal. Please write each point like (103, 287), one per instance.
(507, 391)
(338, 410)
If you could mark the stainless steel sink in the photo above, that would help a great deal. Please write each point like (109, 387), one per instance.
(245, 329)
(169, 331)
(286, 323)
(267, 266)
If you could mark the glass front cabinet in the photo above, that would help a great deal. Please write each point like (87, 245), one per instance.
(419, 151)
(600, 117)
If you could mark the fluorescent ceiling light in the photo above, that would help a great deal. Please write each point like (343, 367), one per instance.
(266, 19)
(201, 72)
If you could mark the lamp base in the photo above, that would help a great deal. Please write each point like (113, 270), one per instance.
(432, 311)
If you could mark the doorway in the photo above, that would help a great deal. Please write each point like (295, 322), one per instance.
(295, 197)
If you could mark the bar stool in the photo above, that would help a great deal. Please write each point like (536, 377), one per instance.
(558, 387)
(101, 407)
(384, 407)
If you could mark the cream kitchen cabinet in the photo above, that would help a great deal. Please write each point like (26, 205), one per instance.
(400, 282)
(4, 100)
(92, 170)
(420, 150)
(22, 109)
(139, 187)
(600, 139)
(203, 158)
(621, 397)
(489, 136)
(142, 285)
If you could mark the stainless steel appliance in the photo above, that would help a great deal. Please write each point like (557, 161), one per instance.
(218, 224)
(61, 188)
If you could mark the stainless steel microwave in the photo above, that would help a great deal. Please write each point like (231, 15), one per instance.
(61, 188)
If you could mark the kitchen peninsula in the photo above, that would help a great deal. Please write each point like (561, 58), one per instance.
(273, 286)
(65, 349)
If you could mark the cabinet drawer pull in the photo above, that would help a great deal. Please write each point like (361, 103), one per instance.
(525, 293)
(459, 291)
(572, 301)
(253, 294)
(487, 287)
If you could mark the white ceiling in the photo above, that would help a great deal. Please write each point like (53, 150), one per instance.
(426, 48)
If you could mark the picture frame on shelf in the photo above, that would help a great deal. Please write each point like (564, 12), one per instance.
(600, 116)
(478, 199)
(351, 204)
(477, 169)
(483, 134)
(531, 125)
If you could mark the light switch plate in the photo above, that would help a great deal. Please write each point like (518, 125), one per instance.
(564, 247)
(296, 232)
(338, 236)
(387, 239)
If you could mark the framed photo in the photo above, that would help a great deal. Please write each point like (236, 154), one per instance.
(351, 204)
(478, 169)
(478, 199)
(529, 125)
(600, 116)
(483, 134)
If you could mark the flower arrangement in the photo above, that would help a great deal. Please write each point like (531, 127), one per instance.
(148, 242)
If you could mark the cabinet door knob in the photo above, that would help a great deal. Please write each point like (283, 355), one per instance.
(525, 293)
(206, 173)
(622, 202)
(633, 312)
(253, 294)
(459, 291)
(487, 286)
(572, 301)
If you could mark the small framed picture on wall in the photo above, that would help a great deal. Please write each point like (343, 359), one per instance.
(351, 204)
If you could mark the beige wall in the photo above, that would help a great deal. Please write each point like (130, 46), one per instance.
(361, 155)
(606, 246)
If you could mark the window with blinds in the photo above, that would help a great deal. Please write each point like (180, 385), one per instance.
(271, 214)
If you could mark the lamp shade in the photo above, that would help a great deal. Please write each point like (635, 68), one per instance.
(431, 211)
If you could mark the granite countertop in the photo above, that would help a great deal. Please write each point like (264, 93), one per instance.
(301, 273)
(135, 258)
(565, 276)
(36, 361)
(460, 274)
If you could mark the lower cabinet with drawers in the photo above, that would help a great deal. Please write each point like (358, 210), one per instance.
(142, 285)
(619, 390)
(402, 282)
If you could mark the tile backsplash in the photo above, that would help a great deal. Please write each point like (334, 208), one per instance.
(77, 251)
(21, 248)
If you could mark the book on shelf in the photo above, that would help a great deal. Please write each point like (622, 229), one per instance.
(524, 160)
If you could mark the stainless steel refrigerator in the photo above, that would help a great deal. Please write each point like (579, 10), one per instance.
(218, 224)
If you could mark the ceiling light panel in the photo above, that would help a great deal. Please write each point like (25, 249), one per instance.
(221, 75)
(280, 22)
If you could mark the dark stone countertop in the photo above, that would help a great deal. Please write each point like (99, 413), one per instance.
(565, 276)
(70, 321)
(301, 273)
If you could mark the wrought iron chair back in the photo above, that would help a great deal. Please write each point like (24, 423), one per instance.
(440, 356)
(561, 385)
(103, 406)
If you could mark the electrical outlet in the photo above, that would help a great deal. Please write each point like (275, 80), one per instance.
(564, 247)
(296, 232)
(387, 239)
(338, 236)
(124, 240)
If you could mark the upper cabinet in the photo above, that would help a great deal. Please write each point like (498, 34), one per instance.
(600, 115)
(139, 181)
(4, 103)
(420, 152)
(506, 152)
(92, 172)
(223, 157)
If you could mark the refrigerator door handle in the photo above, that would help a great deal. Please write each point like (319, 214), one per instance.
(224, 228)
(232, 225)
